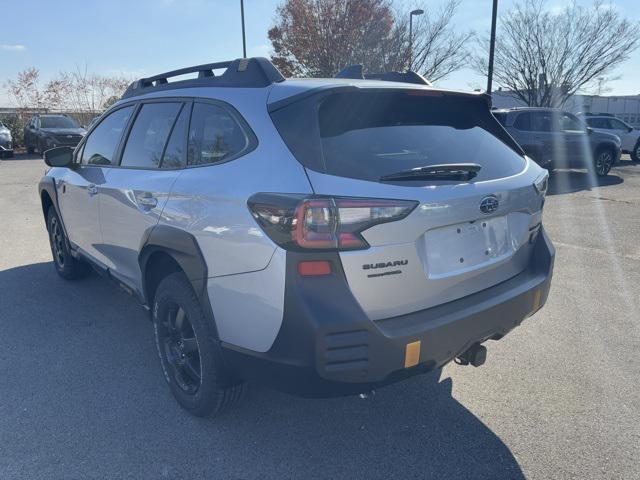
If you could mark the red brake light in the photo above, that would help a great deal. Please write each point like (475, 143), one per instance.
(323, 223)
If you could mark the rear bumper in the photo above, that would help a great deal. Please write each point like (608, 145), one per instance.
(328, 347)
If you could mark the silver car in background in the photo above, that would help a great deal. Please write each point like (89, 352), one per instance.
(6, 142)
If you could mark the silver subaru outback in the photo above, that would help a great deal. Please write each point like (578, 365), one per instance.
(321, 236)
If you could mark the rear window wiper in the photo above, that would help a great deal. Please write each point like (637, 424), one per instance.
(449, 171)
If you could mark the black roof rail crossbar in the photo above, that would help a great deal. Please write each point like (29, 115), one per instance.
(243, 72)
(352, 71)
(205, 70)
(356, 72)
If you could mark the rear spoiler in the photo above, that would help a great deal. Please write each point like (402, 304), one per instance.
(356, 72)
(334, 88)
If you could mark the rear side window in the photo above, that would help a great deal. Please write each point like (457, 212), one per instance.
(214, 135)
(105, 138)
(368, 135)
(149, 135)
(542, 121)
(523, 122)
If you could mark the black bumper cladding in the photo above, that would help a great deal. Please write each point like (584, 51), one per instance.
(328, 347)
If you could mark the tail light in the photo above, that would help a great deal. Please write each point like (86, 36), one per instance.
(300, 222)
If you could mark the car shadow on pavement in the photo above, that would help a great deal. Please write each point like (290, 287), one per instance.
(88, 386)
(22, 156)
(570, 181)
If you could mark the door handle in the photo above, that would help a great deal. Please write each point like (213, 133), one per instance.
(147, 200)
(92, 189)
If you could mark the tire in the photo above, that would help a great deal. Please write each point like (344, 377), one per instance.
(603, 161)
(635, 153)
(190, 355)
(67, 267)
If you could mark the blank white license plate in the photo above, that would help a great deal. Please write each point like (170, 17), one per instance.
(454, 249)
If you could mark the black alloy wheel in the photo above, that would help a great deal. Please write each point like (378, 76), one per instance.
(179, 348)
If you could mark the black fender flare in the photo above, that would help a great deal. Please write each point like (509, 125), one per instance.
(182, 247)
(48, 185)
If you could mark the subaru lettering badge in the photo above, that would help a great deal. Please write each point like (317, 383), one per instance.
(489, 204)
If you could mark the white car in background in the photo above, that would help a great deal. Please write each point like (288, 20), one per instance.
(629, 136)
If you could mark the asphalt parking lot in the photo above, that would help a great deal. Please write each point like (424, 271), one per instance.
(82, 395)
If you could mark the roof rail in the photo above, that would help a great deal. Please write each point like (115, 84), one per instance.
(595, 114)
(254, 72)
(356, 72)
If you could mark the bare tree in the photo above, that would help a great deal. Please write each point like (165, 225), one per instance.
(438, 50)
(79, 90)
(26, 91)
(89, 92)
(543, 57)
(320, 37)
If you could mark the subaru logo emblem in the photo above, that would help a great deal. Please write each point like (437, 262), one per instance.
(69, 136)
(489, 204)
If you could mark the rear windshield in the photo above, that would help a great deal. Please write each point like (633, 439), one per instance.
(367, 135)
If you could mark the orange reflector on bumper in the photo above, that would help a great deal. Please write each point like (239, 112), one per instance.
(412, 354)
(314, 268)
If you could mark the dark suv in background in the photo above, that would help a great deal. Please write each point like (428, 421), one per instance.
(557, 139)
(47, 131)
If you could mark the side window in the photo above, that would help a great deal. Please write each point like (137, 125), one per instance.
(569, 123)
(214, 135)
(541, 121)
(174, 154)
(617, 124)
(599, 122)
(149, 135)
(103, 141)
(523, 122)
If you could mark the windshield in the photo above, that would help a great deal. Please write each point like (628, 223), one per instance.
(57, 122)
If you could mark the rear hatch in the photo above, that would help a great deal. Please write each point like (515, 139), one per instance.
(471, 227)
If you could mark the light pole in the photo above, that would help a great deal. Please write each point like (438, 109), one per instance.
(244, 41)
(413, 12)
(492, 46)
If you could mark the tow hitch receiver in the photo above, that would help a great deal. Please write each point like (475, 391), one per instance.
(475, 355)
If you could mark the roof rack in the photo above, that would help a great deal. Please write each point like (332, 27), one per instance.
(356, 72)
(254, 72)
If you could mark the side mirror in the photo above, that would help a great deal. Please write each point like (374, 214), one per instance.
(59, 157)
(589, 130)
(630, 129)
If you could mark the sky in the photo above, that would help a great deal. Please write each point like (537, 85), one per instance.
(139, 38)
